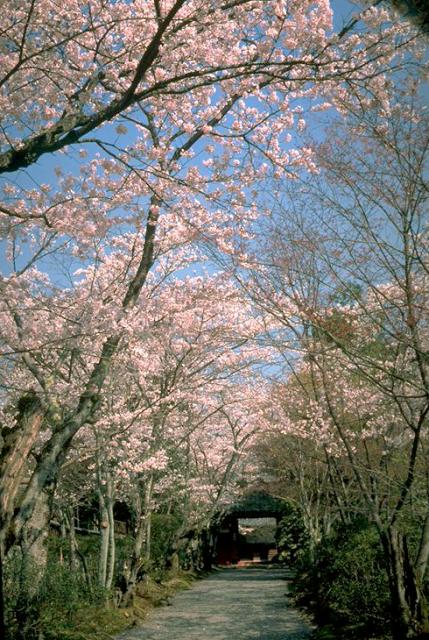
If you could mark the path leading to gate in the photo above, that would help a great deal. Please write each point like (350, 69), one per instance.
(231, 604)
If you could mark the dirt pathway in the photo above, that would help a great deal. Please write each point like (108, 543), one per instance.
(232, 604)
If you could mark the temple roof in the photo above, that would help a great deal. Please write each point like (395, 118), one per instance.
(255, 505)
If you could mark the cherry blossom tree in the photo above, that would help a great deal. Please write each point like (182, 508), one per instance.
(182, 423)
(352, 295)
(297, 464)
(128, 131)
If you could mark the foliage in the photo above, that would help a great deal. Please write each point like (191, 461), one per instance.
(346, 584)
(52, 608)
(164, 530)
(291, 536)
(65, 608)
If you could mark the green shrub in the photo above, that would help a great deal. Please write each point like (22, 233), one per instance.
(346, 584)
(291, 536)
(44, 606)
(164, 529)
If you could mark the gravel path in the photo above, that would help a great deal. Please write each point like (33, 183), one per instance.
(231, 604)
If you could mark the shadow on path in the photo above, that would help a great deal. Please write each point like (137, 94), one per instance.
(232, 604)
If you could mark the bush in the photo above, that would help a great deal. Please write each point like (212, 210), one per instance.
(164, 530)
(346, 584)
(45, 606)
(291, 537)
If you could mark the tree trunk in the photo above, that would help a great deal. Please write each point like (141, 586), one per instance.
(148, 517)
(75, 552)
(112, 543)
(423, 553)
(132, 568)
(35, 534)
(73, 546)
(408, 601)
(17, 444)
(142, 543)
(104, 541)
(2, 601)
(34, 559)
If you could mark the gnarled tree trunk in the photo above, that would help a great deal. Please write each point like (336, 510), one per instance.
(408, 600)
(16, 445)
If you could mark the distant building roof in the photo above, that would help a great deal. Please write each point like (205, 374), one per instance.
(256, 504)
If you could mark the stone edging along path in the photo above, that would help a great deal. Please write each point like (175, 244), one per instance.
(231, 604)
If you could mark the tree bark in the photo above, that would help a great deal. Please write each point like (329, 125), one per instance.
(148, 517)
(112, 542)
(408, 601)
(34, 557)
(2, 600)
(423, 553)
(104, 537)
(73, 546)
(132, 568)
(17, 445)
